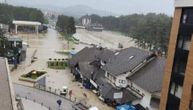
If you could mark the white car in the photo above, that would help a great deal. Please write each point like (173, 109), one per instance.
(64, 90)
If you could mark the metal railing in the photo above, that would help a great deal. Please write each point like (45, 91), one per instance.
(55, 92)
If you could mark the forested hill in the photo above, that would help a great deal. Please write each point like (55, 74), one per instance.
(151, 31)
(9, 13)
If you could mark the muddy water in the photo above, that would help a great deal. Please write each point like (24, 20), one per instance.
(47, 44)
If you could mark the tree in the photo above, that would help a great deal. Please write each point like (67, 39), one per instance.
(66, 25)
(9, 13)
(150, 31)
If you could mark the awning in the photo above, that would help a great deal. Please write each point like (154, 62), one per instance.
(125, 107)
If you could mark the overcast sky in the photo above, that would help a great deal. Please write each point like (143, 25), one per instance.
(115, 6)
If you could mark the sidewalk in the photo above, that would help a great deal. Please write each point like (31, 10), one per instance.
(30, 105)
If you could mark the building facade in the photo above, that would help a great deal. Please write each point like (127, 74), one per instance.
(177, 91)
(7, 96)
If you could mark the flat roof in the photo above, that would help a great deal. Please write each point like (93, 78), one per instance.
(15, 39)
(6, 92)
(32, 23)
(183, 3)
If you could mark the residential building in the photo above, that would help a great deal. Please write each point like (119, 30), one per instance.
(13, 48)
(86, 21)
(4, 27)
(7, 98)
(177, 92)
(138, 71)
(95, 27)
(88, 55)
(126, 76)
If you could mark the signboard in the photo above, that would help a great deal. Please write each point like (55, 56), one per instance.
(118, 95)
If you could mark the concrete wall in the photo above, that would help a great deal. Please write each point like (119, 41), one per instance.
(183, 3)
(146, 100)
(42, 81)
(170, 58)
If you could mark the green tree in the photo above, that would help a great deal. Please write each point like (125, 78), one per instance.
(150, 31)
(66, 25)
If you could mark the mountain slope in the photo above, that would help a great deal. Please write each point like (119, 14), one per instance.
(80, 10)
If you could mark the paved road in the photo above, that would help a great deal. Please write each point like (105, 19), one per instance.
(30, 105)
(48, 99)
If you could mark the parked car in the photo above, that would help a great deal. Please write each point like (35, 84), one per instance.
(64, 91)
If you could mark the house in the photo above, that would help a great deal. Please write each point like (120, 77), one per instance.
(18, 47)
(4, 27)
(87, 56)
(130, 75)
(139, 71)
(86, 20)
(95, 27)
(7, 100)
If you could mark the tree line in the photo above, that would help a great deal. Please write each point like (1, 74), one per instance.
(66, 25)
(150, 31)
(9, 13)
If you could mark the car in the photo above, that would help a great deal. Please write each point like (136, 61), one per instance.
(64, 91)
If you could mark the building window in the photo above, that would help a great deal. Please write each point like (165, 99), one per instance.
(184, 18)
(191, 100)
(176, 90)
(108, 75)
(122, 81)
(114, 79)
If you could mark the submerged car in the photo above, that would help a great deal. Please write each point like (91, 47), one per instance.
(64, 91)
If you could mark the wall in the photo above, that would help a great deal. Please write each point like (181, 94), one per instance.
(170, 58)
(145, 101)
(121, 81)
(183, 3)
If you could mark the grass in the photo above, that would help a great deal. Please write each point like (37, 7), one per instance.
(57, 64)
(63, 53)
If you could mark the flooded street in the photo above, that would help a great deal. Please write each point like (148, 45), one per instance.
(44, 46)
(47, 44)
(106, 39)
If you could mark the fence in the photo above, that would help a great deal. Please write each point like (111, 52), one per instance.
(55, 92)
(36, 101)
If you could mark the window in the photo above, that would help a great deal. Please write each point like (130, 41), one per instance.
(122, 81)
(176, 90)
(117, 53)
(114, 78)
(131, 57)
(184, 18)
(108, 75)
(191, 100)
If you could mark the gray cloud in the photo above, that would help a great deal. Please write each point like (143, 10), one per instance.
(115, 6)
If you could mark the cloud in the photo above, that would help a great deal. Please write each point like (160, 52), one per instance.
(116, 6)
